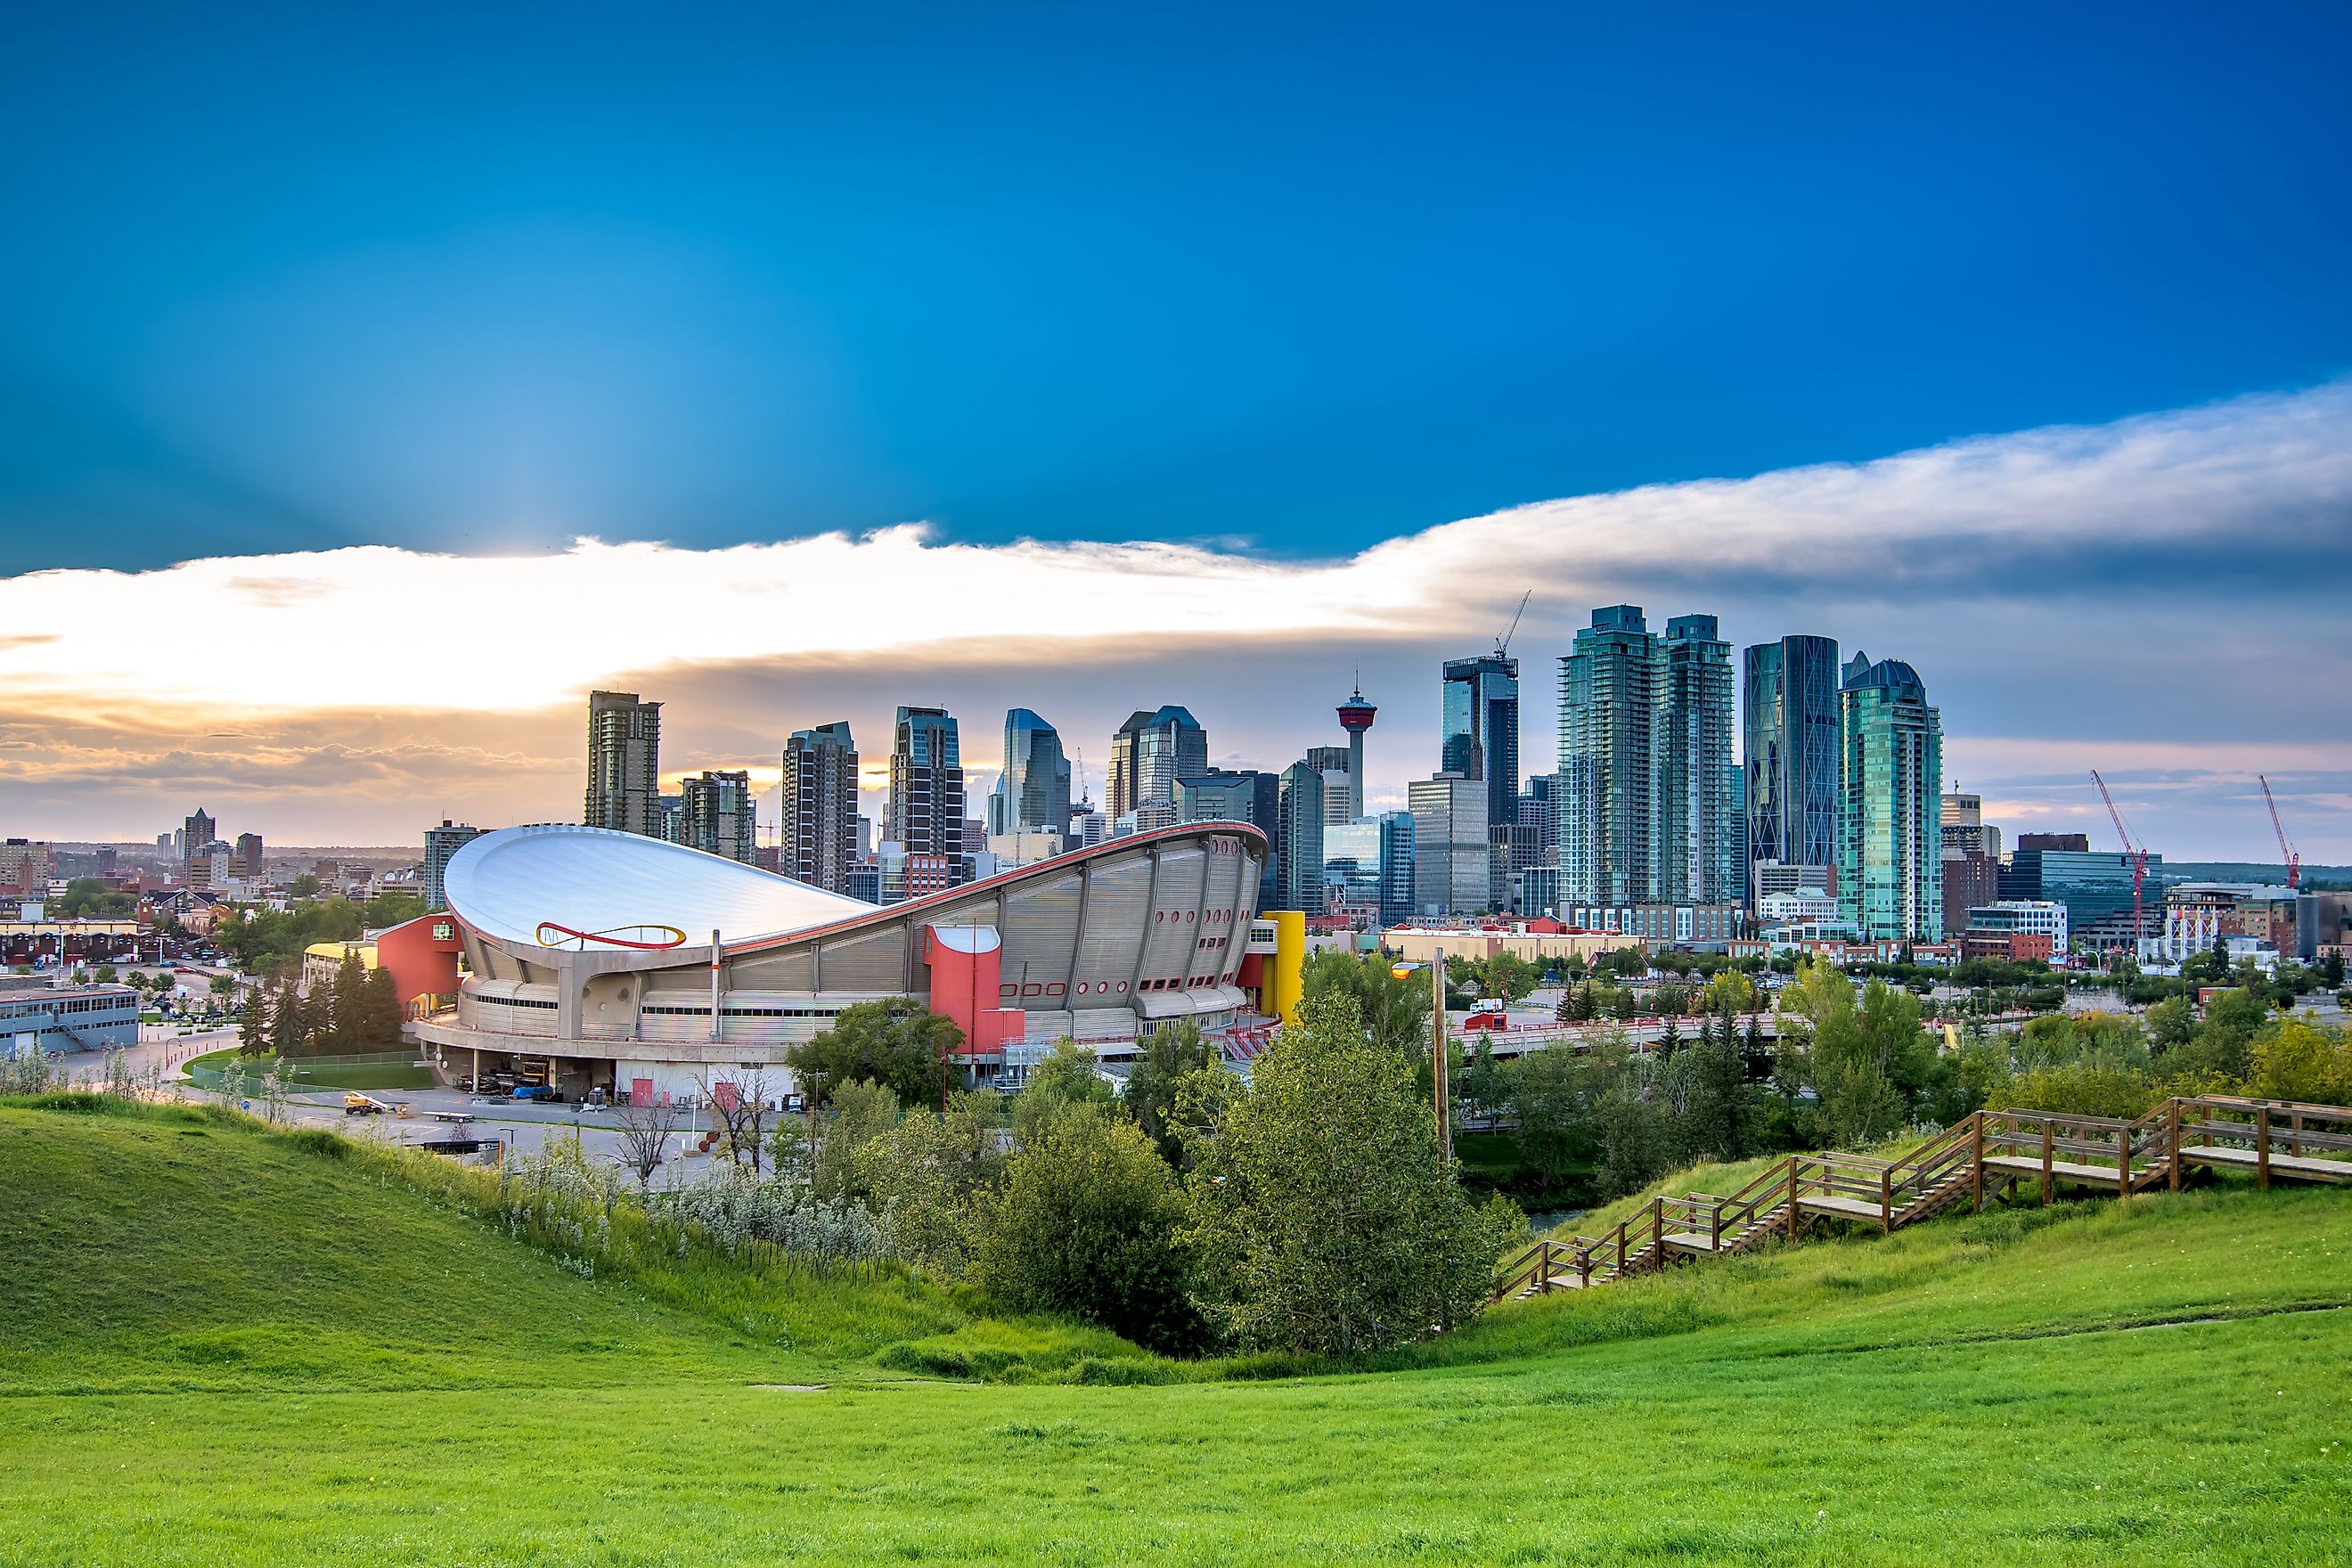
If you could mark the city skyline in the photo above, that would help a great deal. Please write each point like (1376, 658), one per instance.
(324, 771)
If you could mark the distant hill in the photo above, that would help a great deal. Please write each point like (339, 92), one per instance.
(2251, 871)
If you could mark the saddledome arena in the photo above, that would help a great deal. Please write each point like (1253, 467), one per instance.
(609, 960)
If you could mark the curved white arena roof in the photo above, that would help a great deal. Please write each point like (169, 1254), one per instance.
(509, 883)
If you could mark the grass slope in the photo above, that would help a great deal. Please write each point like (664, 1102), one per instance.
(1971, 1390)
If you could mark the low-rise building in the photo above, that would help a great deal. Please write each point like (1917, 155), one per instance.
(2006, 918)
(83, 1018)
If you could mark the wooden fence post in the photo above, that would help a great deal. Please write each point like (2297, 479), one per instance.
(1976, 1159)
(1792, 1198)
(2262, 1145)
(2049, 1186)
(1886, 1200)
(2172, 1131)
(2123, 1164)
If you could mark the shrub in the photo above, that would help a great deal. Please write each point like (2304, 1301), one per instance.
(1085, 1223)
(1322, 1217)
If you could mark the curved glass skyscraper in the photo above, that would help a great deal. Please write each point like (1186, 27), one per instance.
(1034, 790)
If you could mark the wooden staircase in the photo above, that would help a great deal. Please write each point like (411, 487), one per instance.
(1986, 1155)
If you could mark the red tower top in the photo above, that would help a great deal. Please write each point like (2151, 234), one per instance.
(1356, 715)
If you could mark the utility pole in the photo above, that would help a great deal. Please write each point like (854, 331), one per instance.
(1439, 1052)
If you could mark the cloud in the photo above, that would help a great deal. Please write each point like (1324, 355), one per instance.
(2119, 594)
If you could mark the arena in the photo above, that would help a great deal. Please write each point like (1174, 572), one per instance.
(603, 959)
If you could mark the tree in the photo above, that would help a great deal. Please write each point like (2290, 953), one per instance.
(1484, 1088)
(1320, 1212)
(862, 1111)
(740, 1104)
(305, 885)
(643, 1131)
(289, 1022)
(1546, 1098)
(1506, 975)
(1395, 1010)
(1719, 1121)
(923, 1174)
(347, 1007)
(2294, 1060)
(2172, 1023)
(1729, 993)
(1670, 1040)
(252, 1029)
(1067, 1077)
(1087, 1223)
(896, 1042)
(377, 1025)
(1173, 1053)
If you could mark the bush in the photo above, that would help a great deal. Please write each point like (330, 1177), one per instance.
(1085, 1223)
(1322, 1217)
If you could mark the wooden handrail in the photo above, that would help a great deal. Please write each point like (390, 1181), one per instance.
(2156, 1141)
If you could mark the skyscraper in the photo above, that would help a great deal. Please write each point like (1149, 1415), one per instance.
(1891, 787)
(1338, 787)
(1700, 835)
(440, 843)
(248, 857)
(716, 815)
(819, 806)
(1298, 848)
(1790, 752)
(1480, 728)
(1147, 755)
(926, 811)
(1453, 858)
(197, 834)
(1610, 702)
(1222, 794)
(624, 763)
(1367, 864)
(1034, 790)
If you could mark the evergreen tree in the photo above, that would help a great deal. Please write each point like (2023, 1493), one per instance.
(346, 1018)
(289, 1022)
(1670, 1040)
(252, 1029)
(379, 1013)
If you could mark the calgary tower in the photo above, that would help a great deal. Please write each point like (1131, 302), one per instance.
(1356, 717)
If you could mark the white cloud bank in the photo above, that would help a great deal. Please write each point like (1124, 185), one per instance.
(2132, 582)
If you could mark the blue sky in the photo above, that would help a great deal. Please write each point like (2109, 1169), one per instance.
(2012, 342)
(471, 281)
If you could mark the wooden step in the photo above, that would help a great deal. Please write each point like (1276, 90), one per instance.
(1850, 1209)
(2060, 1170)
(2294, 1167)
(1690, 1240)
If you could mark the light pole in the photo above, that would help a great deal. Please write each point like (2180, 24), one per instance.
(1438, 1053)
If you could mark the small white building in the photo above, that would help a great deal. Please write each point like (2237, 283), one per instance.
(1804, 905)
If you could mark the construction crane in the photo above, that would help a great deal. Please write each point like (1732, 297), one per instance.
(1503, 643)
(2286, 851)
(2139, 853)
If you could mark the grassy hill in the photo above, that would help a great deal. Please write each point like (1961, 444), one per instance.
(218, 1346)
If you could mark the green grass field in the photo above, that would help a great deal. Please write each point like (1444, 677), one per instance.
(309, 1075)
(222, 1345)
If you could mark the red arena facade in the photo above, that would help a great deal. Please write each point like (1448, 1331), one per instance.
(609, 960)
